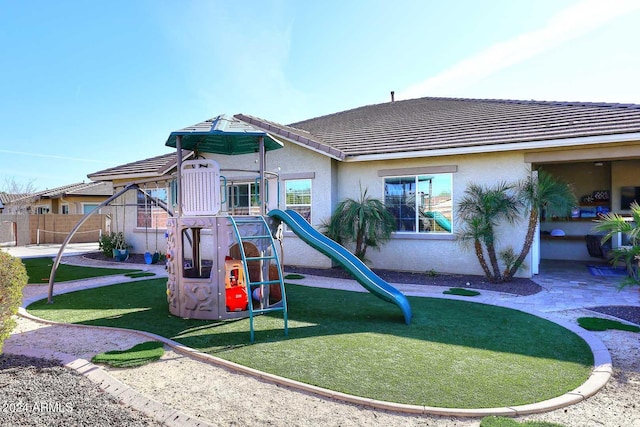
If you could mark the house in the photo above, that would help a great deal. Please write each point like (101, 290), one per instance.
(78, 198)
(142, 219)
(46, 216)
(418, 156)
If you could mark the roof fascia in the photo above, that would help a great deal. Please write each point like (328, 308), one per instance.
(281, 133)
(494, 148)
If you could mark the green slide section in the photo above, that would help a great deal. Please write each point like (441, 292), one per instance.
(367, 278)
(441, 220)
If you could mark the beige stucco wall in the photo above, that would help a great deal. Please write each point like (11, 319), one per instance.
(437, 252)
(624, 173)
(333, 181)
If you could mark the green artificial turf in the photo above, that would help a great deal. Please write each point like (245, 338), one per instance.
(462, 292)
(137, 274)
(508, 422)
(454, 353)
(294, 276)
(599, 324)
(138, 355)
(39, 270)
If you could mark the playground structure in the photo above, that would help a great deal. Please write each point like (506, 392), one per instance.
(225, 265)
(222, 262)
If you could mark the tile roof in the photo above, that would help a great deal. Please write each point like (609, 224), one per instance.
(151, 167)
(426, 124)
(77, 189)
(7, 198)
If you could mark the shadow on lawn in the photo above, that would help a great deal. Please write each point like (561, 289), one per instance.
(315, 312)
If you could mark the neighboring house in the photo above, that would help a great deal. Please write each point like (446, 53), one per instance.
(419, 156)
(47, 216)
(77, 198)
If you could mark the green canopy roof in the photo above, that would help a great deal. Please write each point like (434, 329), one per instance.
(223, 135)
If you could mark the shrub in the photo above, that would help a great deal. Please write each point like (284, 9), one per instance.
(111, 241)
(13, 277)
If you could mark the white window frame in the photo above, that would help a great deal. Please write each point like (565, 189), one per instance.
(417, 221)
(298, 205)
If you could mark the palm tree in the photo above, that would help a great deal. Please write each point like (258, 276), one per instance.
(612, 224)
(481, 210)
(548, 194)
(366, 221)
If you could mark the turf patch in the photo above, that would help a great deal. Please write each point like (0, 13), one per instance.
(136, 274)
(39, 270)
(462, 292)
(138, 355)
(600, 324)
(294, 276)
(508, 422)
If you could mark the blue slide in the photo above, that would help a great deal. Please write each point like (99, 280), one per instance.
(346, 259)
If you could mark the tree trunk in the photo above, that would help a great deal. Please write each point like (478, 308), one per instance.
(526, 246)
(482, 260)
(497, 276)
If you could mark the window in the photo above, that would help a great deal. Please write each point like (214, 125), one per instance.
(150, 214)
(298, 196)
(65, 210)
(421, 203)
(88, 207)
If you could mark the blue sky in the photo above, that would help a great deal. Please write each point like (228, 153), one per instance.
(86, 85)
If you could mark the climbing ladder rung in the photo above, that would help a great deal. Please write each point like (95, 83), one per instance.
(266, 282)
(267, 310)
(259, 258)
(239, 220)
(267, 236)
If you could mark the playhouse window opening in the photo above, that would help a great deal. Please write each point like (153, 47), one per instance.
(197, 258)
(420, 203)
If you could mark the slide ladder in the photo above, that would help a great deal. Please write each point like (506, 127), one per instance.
(260, 236)
(367, 278)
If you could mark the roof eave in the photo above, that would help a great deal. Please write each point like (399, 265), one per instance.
(493, 148)
(283, 134)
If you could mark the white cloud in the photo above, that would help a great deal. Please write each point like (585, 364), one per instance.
(568, 24)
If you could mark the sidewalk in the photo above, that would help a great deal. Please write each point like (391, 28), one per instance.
(34, 251)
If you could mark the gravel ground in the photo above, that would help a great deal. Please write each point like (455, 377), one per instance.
(40, 392)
